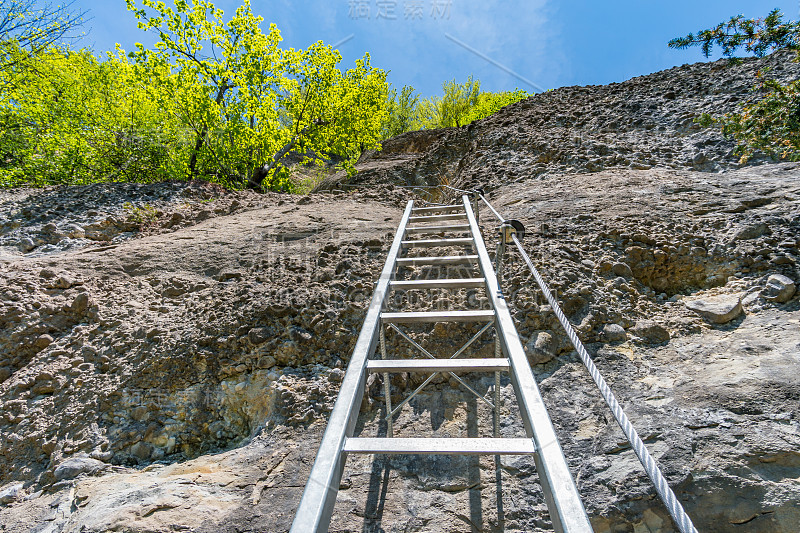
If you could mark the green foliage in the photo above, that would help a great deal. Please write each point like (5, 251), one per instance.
(770, 126)
(248, 102)
(450, 109)
(141, 216)
(757, 36)
(67, 117)
(402, 112)
(490, 103)
(460, 104)
(202, 90)
(213, 99)
(28, 27)
(457, 101)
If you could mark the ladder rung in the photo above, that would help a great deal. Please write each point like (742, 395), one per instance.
(466, 283)
(443, 446)
(438, 229)
(438, 218)
(437, 316)
(442, 260)
(437, 208)
(432, 243)
(438, 365)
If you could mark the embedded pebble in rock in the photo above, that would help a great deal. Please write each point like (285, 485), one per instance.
(26, 244)
(75, 466)
(751, 231)
(259, 335)
(779, 288)
(80, 303)
(717, 309)
(10, 493)
(621, 269)
(541, 348)
(614, 333)
(650, 332)
(753, 301)
(43, 341)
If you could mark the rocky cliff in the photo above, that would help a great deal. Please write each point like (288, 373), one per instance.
(169, 352)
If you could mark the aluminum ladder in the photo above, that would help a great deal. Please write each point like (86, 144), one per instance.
(561, 495)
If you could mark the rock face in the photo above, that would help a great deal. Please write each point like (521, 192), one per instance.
(176, 372)
(642, 123)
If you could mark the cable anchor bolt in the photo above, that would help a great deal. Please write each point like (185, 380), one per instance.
(509, 228)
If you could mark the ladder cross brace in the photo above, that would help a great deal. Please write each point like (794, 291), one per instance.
(421, 317)
(429, 355)
(441, 260)
(437, 209)
(461, 228)
(467, 283)
(436, 243)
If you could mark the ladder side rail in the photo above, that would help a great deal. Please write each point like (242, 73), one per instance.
(319, 496)
(561, 493)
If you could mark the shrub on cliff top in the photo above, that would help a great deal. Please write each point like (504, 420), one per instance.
(770, 125)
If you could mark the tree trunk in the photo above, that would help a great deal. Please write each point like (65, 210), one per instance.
(261, 173)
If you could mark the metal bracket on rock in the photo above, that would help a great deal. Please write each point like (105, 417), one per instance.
(509, 228)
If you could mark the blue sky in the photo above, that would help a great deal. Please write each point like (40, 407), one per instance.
(527, 44)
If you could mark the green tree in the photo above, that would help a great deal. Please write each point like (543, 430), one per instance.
(448, 110)
(248, 102)
(756, 36)
(28, 27)
(770, 125)
(463, 103)
(329, 112)
(67, 117)
(402, 112)
(213, 99)
(457, 101)
(490, 103)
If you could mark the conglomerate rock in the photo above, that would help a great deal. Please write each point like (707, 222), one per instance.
(169, 353)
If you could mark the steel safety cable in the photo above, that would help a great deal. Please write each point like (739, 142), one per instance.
(671, 502)
(674, 507)
(462, 191)
(498, 215)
